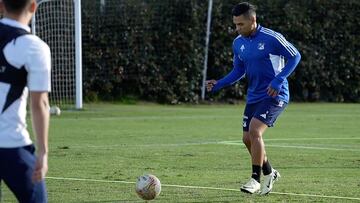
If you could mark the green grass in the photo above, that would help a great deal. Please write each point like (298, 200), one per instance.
(316, 148)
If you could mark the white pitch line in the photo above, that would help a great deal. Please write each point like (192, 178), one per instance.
(175, 117)
(313, 138)
(149, 118)
(316, 148)
(145, 145)
(90, 180)
(294, 146)
(202, 187)
(232, 142)
(303, 139)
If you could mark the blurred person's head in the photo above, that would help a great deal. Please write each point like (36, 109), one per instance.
(244, 18)
(21, 10)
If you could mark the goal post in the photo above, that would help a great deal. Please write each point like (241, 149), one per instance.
(58, 23)
(78, 55)
(206, 54)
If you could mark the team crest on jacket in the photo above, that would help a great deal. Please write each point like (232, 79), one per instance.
(261, 46)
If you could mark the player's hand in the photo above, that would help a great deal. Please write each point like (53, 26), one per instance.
(210, 84)
(41, 167)
(272, 92)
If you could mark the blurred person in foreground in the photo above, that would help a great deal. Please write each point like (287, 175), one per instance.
(265, 58)
(24, 69)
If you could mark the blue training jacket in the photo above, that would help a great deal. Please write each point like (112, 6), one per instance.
(264, 58)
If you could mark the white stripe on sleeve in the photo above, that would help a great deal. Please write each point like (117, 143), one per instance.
(288, 46)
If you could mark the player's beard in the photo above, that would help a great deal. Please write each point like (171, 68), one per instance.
(251, 31)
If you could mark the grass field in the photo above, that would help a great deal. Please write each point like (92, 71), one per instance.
(197, 153)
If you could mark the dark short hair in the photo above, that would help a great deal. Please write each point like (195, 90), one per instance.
(244, 8)
(15, 6)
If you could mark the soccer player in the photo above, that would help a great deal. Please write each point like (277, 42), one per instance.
(24, 69)
(266, 59)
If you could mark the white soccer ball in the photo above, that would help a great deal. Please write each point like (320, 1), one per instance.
(148, 187)
(54, 110)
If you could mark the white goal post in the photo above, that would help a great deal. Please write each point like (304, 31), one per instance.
(58, 23)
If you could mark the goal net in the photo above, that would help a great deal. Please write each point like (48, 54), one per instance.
(57, 22)
(147, 49)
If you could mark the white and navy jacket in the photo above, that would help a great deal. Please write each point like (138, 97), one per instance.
(25, 63)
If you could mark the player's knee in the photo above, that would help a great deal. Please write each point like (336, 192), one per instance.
(255, 134)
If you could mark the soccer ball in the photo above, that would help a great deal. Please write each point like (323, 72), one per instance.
(54, 110)
(148, 187)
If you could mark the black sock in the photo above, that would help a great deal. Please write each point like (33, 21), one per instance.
(256, 172)
(266, 168)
